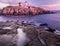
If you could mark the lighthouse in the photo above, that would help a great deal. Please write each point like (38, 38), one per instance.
(19, 3)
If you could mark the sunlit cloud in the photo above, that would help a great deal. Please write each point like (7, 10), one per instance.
(52, 6)
(3, 5)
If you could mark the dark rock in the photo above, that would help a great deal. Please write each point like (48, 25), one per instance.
(7, 31)
(45, 24)
(50, 29)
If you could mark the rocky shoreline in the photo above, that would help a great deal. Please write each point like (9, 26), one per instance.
(37, 36)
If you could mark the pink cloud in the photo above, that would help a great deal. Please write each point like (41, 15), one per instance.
(3, 5)
(52, 7)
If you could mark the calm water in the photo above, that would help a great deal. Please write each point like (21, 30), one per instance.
(53, 20)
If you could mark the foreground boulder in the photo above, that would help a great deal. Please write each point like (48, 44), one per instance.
(40, 37)
(36, 35)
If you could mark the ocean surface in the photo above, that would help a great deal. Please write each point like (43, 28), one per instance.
(53, 20)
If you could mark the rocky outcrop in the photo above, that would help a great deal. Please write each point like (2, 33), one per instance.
(28, 10)
(37, 36)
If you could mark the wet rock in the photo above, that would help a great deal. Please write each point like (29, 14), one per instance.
(35, 42)
(48, 37)
(7, 31)
(31, 33)
(7, 40)
(51, 30)
(40, 37)
(57, 32)
(45, 24)
(37, 36)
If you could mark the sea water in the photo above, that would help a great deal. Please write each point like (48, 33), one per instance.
(53, 20)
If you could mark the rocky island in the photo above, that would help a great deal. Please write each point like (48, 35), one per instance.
(23, 10)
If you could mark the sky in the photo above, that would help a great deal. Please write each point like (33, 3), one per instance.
(47, 4)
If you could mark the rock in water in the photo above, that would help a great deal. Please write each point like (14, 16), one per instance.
(57, 32)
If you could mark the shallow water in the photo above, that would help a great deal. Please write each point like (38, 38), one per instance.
(53, 20)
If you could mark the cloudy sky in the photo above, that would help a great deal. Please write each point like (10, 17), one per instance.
(48, 4)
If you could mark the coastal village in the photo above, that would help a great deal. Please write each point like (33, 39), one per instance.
(23, 9)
